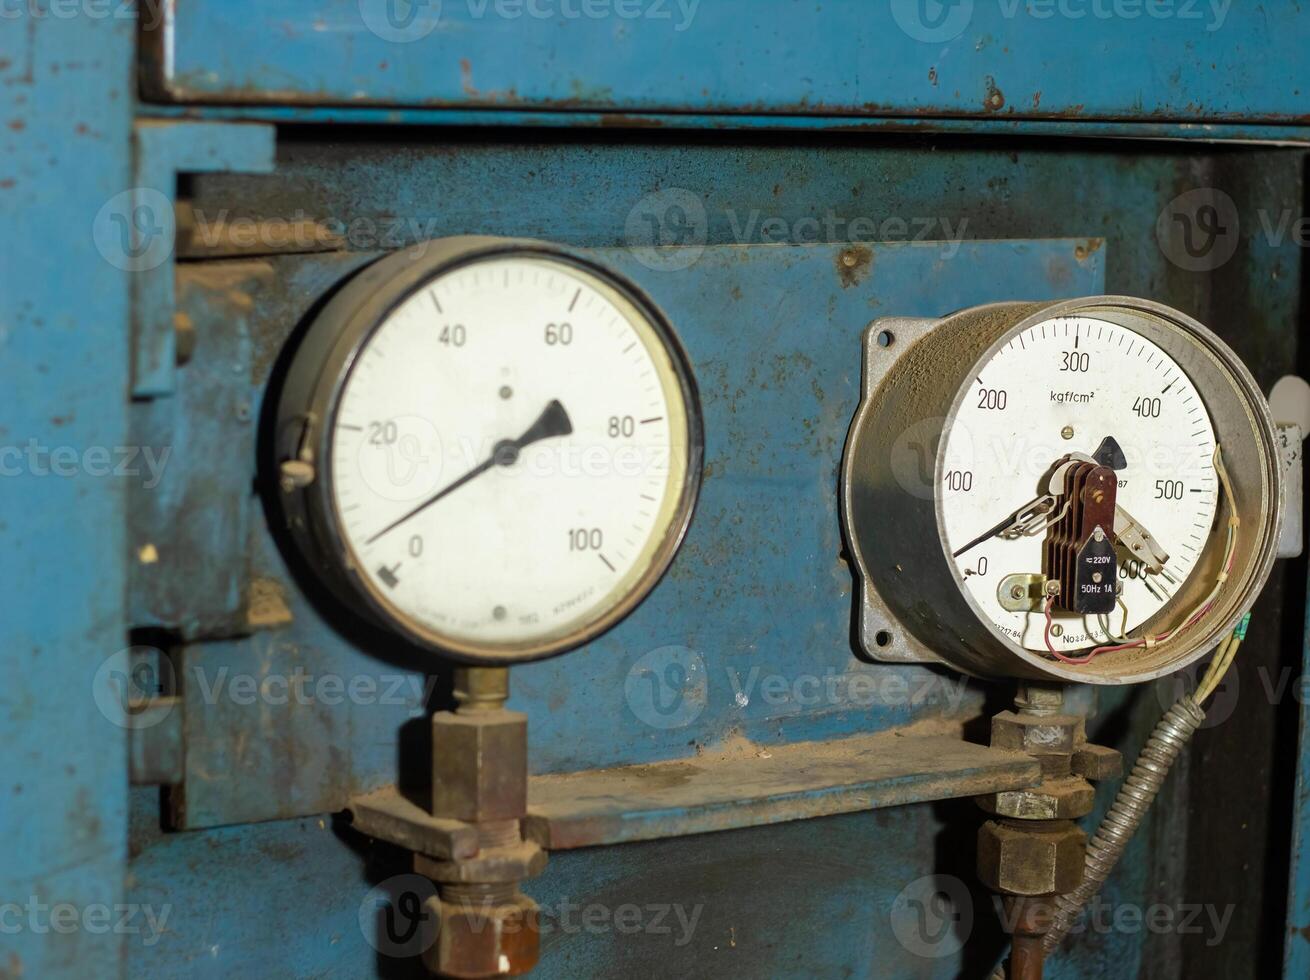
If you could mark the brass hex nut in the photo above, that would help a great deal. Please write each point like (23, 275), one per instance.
(1097, 762)
(479, 766)
(496, 865)
(478, 939)
(1051, 739)
(1066, 798)
(1031, 860)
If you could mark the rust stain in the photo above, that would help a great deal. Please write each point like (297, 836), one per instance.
(1084, 250)
(995, 100)
(17, 125)
(854, 265)
(619, 120)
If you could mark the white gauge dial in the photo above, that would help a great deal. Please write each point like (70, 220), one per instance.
(1063, 387)
(510, 455)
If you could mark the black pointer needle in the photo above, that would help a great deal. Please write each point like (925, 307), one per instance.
(554, 421)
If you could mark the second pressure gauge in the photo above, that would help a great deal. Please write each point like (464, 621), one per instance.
(1087, 490)
(492, 448)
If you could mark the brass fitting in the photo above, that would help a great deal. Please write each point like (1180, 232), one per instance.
(1055, 798)
(479, 765)
(484, 931)
(487, 927)
(1031, 858)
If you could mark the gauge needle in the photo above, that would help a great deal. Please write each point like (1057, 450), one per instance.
(553, 421)
(1109, 454)
(1024, 515)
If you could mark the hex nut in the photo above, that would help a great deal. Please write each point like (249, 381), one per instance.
(478, 939)
(1097, 762)
(1031, 860)
(1050, 739)
(498, 865)
(1066, 798)
(480, 765)
(1036, 733)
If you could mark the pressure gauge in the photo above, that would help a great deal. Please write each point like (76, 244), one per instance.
(1087, 490)
(491, 448)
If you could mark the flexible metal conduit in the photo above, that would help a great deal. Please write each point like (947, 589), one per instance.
(1126, 814)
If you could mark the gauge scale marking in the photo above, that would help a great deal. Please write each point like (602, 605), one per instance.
(510, 455)
(1063, 387)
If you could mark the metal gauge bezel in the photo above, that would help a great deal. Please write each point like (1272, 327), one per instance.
(911, 605)
(318, 375)
(1195, 349)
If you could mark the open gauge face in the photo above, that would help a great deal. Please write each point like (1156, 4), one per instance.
(1078, 386)
(1085, 490)
(507, 448)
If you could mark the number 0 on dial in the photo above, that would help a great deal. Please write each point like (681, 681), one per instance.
(504, 445)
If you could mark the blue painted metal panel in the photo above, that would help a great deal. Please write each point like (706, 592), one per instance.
(890, 125)
(838, 897)
(64, 102)
(758, 594)
(1177, 60)
(164, 150)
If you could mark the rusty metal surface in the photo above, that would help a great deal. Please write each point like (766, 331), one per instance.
(190, 520)
(580, 190)
(772, 456)
(753, 785)
(387, 815)
(1189, 62)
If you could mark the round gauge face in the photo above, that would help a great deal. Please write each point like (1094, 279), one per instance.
(511, 456)
(1083, 387)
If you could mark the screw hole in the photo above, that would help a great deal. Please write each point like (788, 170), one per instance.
(883, 638)
(886, 338)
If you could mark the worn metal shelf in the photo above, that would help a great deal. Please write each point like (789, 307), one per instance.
(761, 786)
